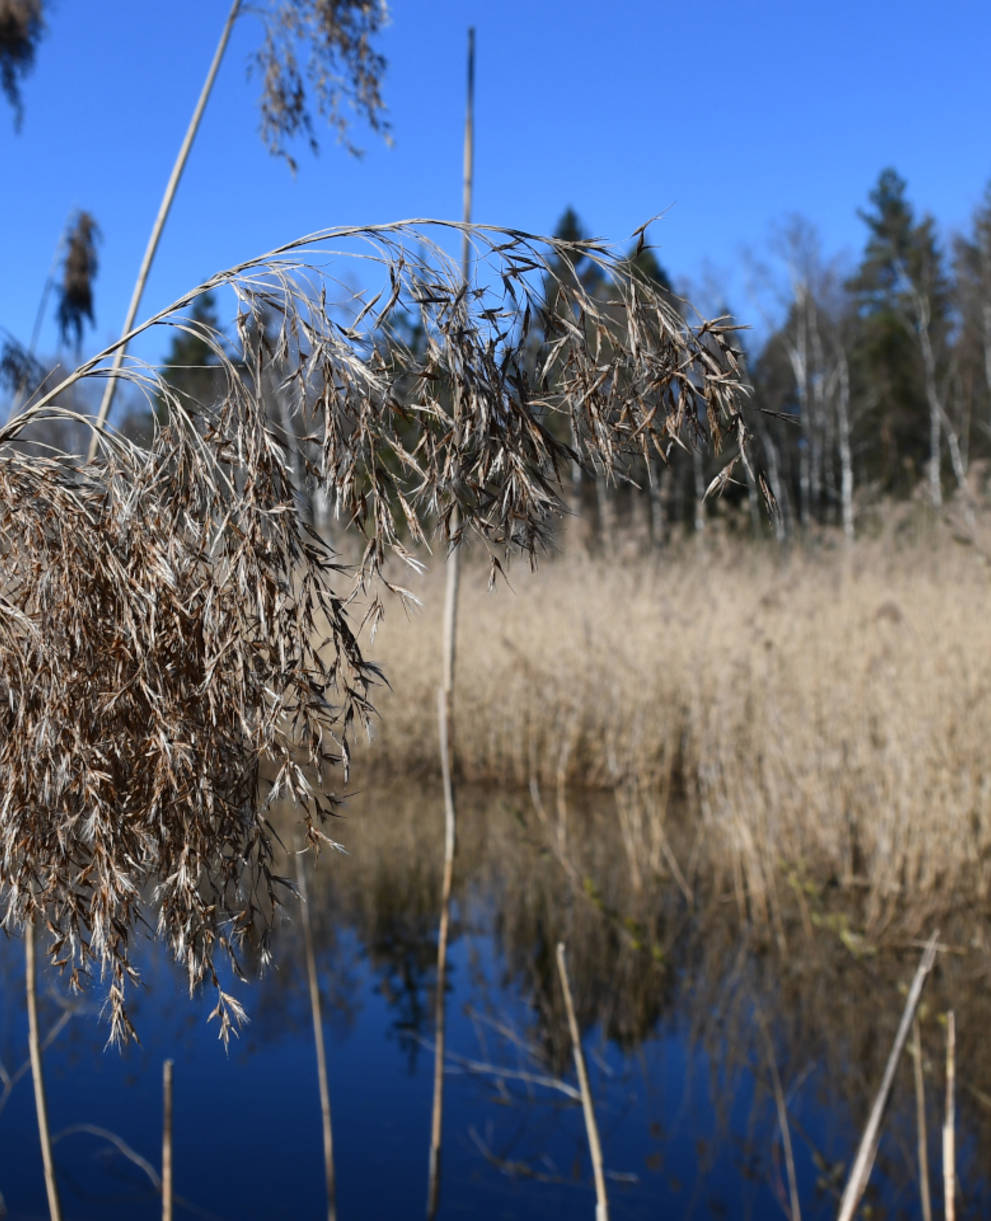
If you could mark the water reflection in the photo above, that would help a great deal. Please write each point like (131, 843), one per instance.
(672, 992)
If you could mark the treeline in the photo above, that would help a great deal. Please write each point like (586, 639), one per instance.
(878, 384)
(872, 384)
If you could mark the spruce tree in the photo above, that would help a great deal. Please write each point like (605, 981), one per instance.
(902, 300)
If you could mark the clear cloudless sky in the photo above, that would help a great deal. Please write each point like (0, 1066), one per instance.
(726, 118)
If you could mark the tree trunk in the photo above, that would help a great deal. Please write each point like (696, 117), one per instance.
(919, 324)
(659, 490)
(698, 475)
(607, 513)
(846, 453)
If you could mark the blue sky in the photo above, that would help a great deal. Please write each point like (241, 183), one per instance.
(726, 118)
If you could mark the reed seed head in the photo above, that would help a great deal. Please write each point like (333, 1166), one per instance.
(178, 650)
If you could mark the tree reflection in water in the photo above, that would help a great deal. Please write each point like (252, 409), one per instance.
(670, 985)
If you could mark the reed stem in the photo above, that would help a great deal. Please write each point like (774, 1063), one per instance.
(167, 1140)
(864, 1161)
(440, 997)
(591, 1128)
(37, 1076)
(445, 714)
(794, 1205)
(156, 232)
(949, 1123)
(316, 1011)
(920, 1122)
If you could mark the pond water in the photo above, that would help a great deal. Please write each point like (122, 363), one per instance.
(685, 1023)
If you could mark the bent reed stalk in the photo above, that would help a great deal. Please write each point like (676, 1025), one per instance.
(179, 651)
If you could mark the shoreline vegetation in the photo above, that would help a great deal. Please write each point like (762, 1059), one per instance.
(795, 719)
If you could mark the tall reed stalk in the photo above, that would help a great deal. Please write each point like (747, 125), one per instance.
(316, 1013)
(445, 707)
(164, 208)
(37, 1075)
(922, 1138)
(867, 1150)
(780, 1104)
(167, 1073)
(949, 1122)
(591, 1127)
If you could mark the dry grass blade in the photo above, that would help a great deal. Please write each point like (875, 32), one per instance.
(177, 648)
(156, 1181)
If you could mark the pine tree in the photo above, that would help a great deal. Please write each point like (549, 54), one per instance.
(902, 298)
(972, 267)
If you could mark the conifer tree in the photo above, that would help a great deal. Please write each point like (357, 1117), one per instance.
(902, 297)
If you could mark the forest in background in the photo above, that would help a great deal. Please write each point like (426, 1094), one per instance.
(869, 385)
(872, 384)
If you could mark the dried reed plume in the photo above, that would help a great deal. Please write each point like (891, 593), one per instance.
(166, 619)
(21, 28)
(342, 69)
(78, 273)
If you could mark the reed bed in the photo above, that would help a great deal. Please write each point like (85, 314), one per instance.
(815, 718)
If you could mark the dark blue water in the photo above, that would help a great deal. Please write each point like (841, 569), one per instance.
(686, 1114)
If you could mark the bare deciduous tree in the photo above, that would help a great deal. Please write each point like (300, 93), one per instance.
(812, 343)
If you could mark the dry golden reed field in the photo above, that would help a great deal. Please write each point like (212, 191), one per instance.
(803, 719)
